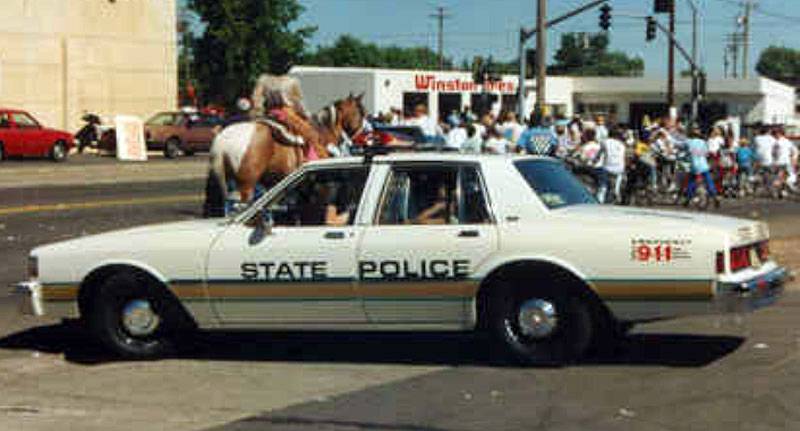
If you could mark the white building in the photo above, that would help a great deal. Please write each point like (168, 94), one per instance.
(625, 100)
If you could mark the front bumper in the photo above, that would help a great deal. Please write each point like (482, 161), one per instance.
(751, 290)
(28, 296)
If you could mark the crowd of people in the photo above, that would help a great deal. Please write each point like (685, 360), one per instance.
(660, 156)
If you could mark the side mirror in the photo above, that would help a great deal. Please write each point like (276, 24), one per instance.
(262, 224)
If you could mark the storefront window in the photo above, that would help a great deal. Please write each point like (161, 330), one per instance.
(411, 100)
(449, 102)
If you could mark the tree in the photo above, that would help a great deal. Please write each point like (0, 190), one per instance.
(588, 55)
(781, 64)
(349, 51)
(243, 39)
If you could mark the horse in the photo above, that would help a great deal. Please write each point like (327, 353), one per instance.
(250, 154)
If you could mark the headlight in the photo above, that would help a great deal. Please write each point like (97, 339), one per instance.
(33, 267)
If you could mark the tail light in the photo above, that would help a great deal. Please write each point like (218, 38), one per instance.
(720, 262)
(740, 258)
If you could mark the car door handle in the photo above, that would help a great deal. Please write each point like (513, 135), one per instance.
(469, 234)
(334, 235)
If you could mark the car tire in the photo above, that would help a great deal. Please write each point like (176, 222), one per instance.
(564, 333)
(128, 317)
(59, 152)
(172, 148)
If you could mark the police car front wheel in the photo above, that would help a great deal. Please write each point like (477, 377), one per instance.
(128, 318)
(541, 326)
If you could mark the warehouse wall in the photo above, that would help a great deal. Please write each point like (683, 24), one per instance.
(60, 58)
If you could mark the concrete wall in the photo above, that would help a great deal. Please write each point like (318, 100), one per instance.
(60, 58)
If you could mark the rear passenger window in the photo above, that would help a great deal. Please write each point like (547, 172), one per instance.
(434, 195)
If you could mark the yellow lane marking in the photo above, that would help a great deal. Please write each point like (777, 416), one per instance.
(100, 204)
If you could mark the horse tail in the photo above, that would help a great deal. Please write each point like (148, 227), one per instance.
(216, 184)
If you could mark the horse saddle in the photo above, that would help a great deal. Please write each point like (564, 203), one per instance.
(282, 132)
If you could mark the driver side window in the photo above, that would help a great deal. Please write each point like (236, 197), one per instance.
(320, 198)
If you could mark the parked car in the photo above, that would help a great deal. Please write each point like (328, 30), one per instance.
(180, 132)
(21, 135)
(427, 242)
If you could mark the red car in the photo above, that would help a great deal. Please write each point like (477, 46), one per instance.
(21, 135)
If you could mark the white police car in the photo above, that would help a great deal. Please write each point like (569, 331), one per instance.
(429, 242)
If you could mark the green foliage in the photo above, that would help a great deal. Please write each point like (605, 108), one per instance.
(242, 40)
(781, 64)
(589, 56)
(349, 51)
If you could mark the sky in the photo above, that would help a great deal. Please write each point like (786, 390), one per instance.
(482, 27)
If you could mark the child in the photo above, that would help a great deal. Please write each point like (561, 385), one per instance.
(744, 161)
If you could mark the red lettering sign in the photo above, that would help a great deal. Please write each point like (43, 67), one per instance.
(456, 85)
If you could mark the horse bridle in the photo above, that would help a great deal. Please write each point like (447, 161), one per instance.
(344, 135)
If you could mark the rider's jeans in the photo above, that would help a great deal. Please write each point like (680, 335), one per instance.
(707, 180)
(614, 182)
(601, 177)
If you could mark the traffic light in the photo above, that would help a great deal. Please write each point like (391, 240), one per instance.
(651, 28)
(605, 17)
(664, 6)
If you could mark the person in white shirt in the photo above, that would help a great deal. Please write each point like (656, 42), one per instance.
(496, 142)
(614, 163)
(716, 141)
(456, 138)
(510, 128)
(784, 150)
(765, 144)
(600, 129)
(593, 156)
(474, 142)
(421, 119)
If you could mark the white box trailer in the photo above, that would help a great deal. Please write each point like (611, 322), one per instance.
(385, 90)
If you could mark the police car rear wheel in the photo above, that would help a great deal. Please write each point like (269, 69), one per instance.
(128, 318)
(541, 326)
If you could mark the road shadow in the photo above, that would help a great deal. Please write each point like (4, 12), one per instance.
(673, 350)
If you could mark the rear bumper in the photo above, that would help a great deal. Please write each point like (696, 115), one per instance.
(752, 290)
(744, 291)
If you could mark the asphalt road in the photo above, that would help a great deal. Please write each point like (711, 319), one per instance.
(737, 372)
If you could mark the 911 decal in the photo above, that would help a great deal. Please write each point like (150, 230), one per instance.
(660, 250)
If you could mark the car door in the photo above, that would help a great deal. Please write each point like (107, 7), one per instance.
(30, 135)
(301, 272)
(431, 231)
(10, 135)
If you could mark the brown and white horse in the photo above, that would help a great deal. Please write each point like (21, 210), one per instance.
(250, 154)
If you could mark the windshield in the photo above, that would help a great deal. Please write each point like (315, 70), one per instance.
(554, 184)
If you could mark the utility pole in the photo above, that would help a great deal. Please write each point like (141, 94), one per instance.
(525, 34)
(541, 57)
(695, 103)
(726, 60)
(671, 66)
(440, 16)
(748, 9)
(734, 47)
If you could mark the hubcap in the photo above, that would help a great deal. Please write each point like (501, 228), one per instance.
(58, 151)
(537, 318)
(139, 319)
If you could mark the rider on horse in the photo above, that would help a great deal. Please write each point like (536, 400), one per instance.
(278, 99)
